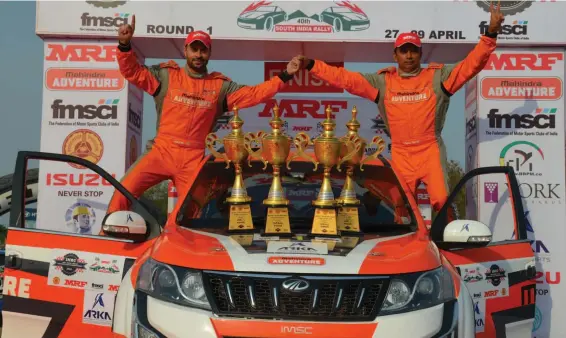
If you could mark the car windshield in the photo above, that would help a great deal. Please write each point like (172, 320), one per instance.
(341, 10)
(383, 207)
(265, 9)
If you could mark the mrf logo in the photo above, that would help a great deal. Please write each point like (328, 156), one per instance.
(104, 109)
(98, 311)
(523, 61)
(115, 20)
(80, 53)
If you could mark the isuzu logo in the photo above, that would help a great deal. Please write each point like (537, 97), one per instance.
(296, 285)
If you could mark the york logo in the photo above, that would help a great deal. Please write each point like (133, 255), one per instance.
(517, 28)
(542, 118)
(133, 117)
(523, 61)
(77, 283)
(81, 53)
(116, 20)
(105, 109)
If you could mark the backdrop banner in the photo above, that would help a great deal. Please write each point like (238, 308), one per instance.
(515, 117)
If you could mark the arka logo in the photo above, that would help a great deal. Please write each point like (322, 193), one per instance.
(104, 109)
(116, 20)
(80, 53)
(523, 61)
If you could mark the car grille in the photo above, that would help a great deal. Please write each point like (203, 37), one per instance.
(346, 298)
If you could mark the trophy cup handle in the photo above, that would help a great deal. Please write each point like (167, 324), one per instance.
(210, 141)
(354, 141)
(380, 145)
(301, 142)
(249, 138)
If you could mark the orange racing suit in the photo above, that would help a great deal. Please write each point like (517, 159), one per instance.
(413, 108)
(187, 106)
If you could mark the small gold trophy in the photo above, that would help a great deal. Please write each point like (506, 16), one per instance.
(327, 149)
(275, 148)
(235, 151)
(348, 219)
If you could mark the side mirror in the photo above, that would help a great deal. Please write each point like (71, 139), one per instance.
(465, 234)
(125, 224)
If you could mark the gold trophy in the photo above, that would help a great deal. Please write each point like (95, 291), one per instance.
(274, 150)
(348, 220)
(327, 149)
(236, 152)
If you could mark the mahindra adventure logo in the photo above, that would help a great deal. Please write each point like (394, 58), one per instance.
(517, 30)
(94, 23)
(344, 16)
(104, 109)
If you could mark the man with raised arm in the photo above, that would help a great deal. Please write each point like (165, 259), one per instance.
(188, 100)
(413, 102)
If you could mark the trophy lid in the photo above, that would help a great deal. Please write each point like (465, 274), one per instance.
(353, 125)
(236, 122)
(328, 124)
(276, 122)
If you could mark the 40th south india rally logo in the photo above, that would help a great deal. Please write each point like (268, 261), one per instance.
(83, 143)
(344, 16)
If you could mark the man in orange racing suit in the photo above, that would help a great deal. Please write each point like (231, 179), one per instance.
(188, 101)
(413, 103)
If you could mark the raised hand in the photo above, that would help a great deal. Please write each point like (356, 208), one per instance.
(496, 18)
(126, 31)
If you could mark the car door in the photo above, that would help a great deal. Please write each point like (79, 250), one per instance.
(58, 283)
(499, 276)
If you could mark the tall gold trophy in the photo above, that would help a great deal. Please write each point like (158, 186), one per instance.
(275, 148)
(327, 149)
(348, 219)
(235, 151)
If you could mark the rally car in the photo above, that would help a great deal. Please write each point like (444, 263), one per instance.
(193, 278)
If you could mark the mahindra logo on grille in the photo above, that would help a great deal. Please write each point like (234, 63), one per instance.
(296, 285)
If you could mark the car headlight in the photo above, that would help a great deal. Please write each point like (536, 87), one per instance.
(173, 284)
(418, 291)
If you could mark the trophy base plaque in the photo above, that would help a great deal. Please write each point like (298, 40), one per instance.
(324, 227)
(277, 222)
(348, 220)
(240, 218)
(243, 239)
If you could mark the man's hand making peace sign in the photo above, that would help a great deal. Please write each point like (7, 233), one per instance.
(496, 18)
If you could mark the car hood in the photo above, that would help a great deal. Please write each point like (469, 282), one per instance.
(382, 255)
(253, 15)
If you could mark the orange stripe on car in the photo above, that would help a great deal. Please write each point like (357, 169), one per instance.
(253, 328)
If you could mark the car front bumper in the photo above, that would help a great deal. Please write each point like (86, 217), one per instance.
(170, 320)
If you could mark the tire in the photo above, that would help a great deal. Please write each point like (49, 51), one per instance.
(337, 25)
(32, 176)
(268, 26)
(507, 7)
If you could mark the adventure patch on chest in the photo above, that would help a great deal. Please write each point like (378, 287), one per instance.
(192, 99)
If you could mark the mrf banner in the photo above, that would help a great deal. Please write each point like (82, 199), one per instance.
(86, 113)
(515, 117)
